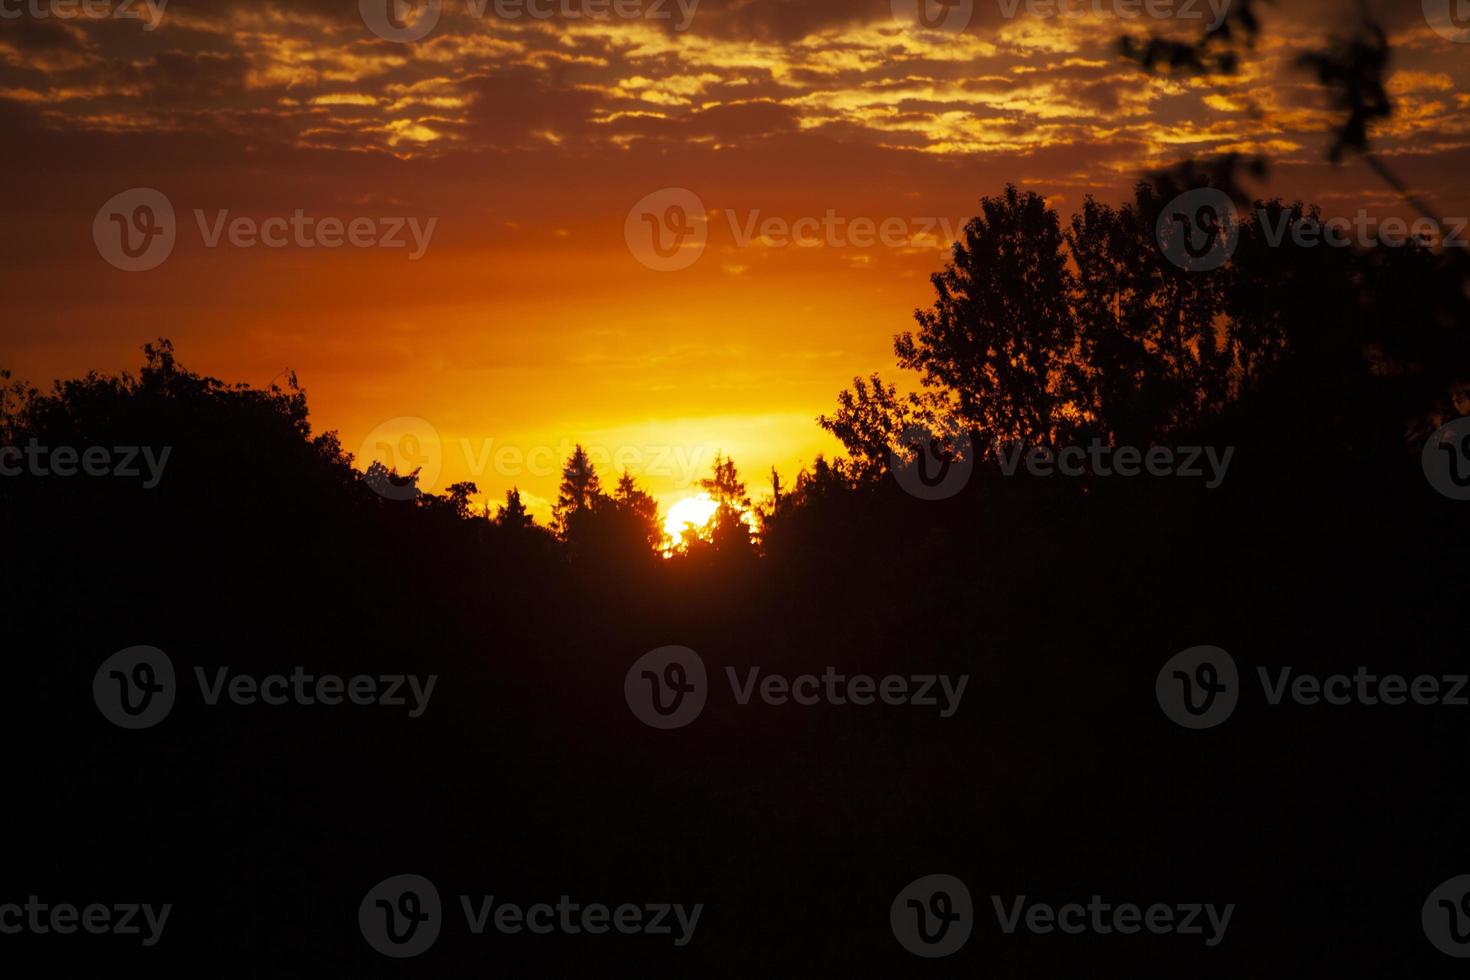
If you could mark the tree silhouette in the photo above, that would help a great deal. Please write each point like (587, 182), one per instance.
(512, 515)
(599, 529)
(1319, 357)
(1046, 336)
(1149, 354)
(1351, 70)
(1215, 51)
(265, 549)
(458, 498)
(728, 530)
(640, 510)
(999, 336)
(579, 491)
(872, 419)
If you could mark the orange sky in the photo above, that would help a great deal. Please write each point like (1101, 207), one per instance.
(528, 323)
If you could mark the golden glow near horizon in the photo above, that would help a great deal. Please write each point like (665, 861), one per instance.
(694, 514)
(527, 323)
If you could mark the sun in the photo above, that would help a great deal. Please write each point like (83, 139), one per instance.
(689, 512)
(694, 512)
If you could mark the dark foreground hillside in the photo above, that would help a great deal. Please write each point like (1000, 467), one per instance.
(527, 777)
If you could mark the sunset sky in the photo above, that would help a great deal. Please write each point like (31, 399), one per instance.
(528, 322)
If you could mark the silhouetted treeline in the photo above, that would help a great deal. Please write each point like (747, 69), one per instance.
(263, 547)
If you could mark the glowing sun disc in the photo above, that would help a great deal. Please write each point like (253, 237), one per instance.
(689, 512)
